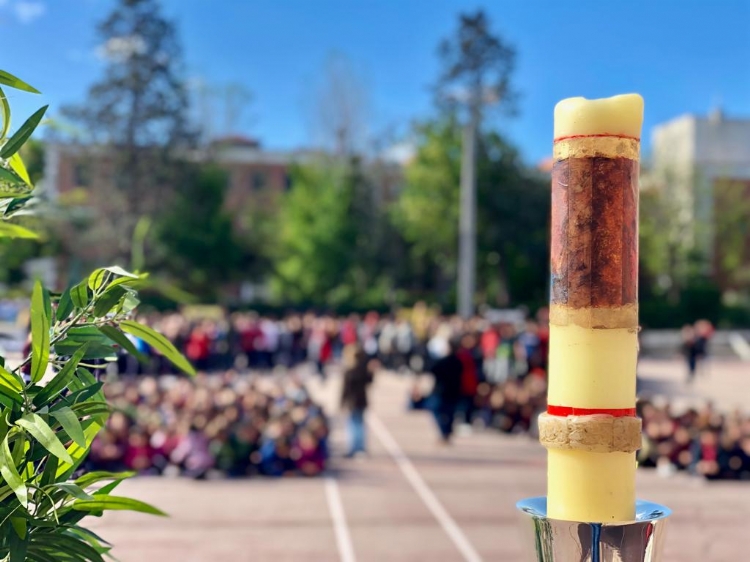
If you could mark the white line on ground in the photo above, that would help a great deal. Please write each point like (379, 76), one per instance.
(340, 528)
(447, 522)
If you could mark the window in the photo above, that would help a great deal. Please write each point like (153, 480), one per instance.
(81, 174)
(259, 181)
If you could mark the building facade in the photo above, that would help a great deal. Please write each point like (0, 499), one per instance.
(703, 163)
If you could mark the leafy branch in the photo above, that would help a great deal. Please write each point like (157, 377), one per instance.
(48, 423)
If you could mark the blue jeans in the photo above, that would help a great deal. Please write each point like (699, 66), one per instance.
(357, 432)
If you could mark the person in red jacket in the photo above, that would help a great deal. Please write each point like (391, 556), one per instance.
(469, 376)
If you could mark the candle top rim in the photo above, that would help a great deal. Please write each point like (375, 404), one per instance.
(620, 115)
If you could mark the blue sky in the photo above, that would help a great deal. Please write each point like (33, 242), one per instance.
(681, 55)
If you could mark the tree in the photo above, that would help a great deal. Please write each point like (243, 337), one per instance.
(196, 242)
(512, 220)
(135, 119)
(668, 257)
(340, 108)
(732, 233)
(477, 65)
(327, 246)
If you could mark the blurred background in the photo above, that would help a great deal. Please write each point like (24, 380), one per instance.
(334, 199)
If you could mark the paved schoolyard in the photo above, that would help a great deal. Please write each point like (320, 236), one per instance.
(413, 500)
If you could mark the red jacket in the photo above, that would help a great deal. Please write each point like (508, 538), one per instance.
(469, 378)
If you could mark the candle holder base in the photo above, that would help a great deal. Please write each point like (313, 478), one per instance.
(553, 540)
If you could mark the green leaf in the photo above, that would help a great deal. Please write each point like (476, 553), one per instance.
(16, 204)
(36, 554)
(108, 488)
(19, 526)
(117, 503)
(97, 278)
(91, 478)
(39, 334)
(80, 294)
(18, 546)
(80, 395)
(11, 386)
(130, 302)
(91, 408)
(14, 82)
(65, 306)
(91, 428)
(39, 429)
(75, 549)
(93, 350)
(72, 490)
(117, 270)
(16, 141)
(10, 473)
(86, 334)
(108, 300)
(16, 163)
(11, 185)
(47, 301)
(69, 422)
(50, 468)
(158, 342)
(5, 108)
(10, 397)
(122, 340)
(10, 380)
(61, 379)
(8, 230)
(96, 542)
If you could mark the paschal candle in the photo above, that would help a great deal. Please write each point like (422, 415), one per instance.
(590, 429)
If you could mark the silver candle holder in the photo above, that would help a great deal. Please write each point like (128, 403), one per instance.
(553, 540)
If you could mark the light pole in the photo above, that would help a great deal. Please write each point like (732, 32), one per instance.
(467, 226)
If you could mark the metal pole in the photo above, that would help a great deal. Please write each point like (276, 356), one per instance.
(467, 228)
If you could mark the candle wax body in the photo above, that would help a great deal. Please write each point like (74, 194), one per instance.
(593, 366)
(591, 369)
(596, 487)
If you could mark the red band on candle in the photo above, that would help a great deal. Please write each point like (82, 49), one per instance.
(558, 139)
(564, 411)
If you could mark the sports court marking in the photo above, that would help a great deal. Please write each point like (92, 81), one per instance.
(427, 496)
(338, 517)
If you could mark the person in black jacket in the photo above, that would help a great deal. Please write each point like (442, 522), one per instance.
(357, 379)
(446, 392)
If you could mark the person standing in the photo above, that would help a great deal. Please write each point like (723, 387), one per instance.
(469, 379)
(689, 350)
(446, 391)
(357, 379)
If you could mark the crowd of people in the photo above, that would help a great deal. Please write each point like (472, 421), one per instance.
(225, 424)
(702, 441)
(487, 372)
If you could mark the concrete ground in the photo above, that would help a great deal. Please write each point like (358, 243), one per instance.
(414, 500)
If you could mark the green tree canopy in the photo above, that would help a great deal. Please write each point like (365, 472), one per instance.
(513, 210)
(327, 249)
(196, 243)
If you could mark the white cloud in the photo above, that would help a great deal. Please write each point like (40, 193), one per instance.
(400, 153)
(122, 48)
(25, 11)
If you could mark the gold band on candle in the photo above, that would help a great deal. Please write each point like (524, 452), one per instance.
(596, 147)
(597, 318)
